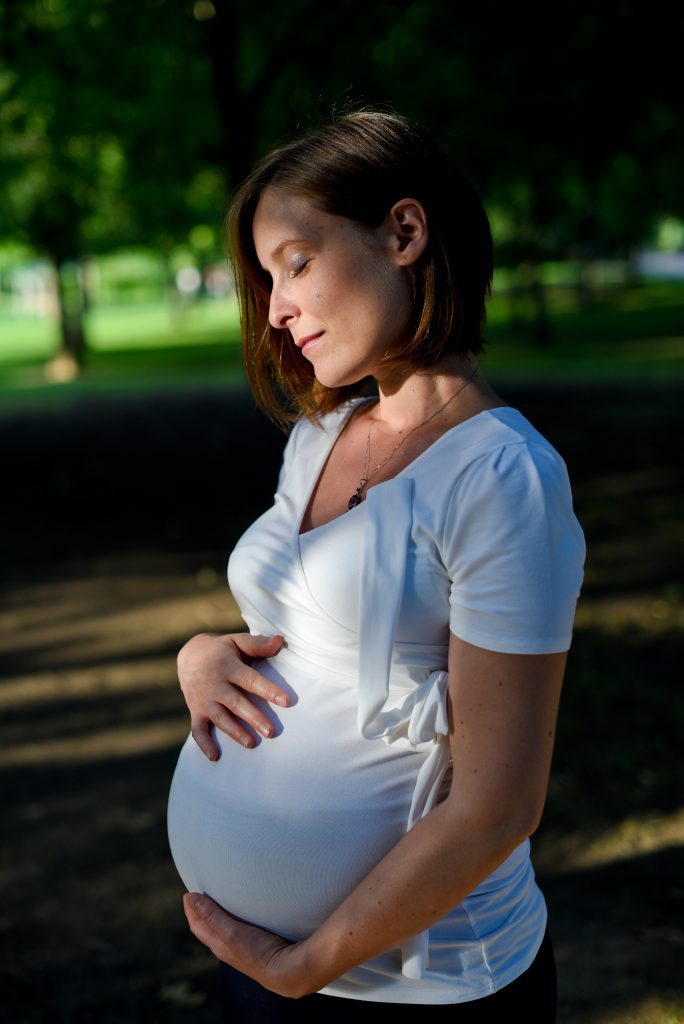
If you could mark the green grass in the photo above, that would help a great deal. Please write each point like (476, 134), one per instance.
(632, 333)
(141, 346)
(26, 339)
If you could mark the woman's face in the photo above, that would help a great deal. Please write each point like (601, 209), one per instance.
(340, 289)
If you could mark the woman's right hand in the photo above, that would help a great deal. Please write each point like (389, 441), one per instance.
(215, 675)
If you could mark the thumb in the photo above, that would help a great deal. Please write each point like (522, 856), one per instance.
(257, 645)
(198, 902)
(262, 642)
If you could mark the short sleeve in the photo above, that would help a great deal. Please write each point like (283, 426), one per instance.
(514, 551)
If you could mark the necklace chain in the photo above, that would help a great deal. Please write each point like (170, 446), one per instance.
(357, 496)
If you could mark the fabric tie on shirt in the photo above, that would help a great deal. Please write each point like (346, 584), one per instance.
(421, 717)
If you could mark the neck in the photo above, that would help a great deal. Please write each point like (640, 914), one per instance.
(409, 398)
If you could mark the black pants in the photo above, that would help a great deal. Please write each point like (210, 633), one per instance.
(530, 999)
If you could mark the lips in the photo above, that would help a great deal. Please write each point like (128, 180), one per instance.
(308, 340)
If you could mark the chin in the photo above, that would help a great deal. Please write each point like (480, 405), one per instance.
(331, 378)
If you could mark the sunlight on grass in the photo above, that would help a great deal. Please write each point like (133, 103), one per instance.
(650, 1010)
(99, 744)
(582, 850)
(156, 325)
(652, 612)
(117, 328)
(58, 652)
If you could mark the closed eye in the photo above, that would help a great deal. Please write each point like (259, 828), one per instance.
(299, 267)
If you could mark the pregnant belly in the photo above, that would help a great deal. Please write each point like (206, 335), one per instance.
(279, 834)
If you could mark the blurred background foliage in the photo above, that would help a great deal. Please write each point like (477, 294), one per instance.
(124, 125)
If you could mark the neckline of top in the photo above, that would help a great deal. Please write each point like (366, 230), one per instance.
(348, 413)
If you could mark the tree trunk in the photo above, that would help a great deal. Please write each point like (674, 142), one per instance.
(70, 295)
(588, 292)
(541, 324)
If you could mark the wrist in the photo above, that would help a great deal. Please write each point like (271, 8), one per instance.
(310, 972)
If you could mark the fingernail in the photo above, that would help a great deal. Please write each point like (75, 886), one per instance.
(264, 730)
(282, 701)
(245, 741)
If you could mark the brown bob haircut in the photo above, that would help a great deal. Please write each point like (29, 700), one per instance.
(358, 166)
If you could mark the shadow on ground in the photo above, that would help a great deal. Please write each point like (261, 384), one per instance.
(119, 520)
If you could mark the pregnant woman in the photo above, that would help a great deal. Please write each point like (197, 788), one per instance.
(351, 813)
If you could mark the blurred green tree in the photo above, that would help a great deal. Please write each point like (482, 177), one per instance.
(107, 134)
(126, 120)
(565, 119)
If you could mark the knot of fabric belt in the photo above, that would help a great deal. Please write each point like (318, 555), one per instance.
(429, 715)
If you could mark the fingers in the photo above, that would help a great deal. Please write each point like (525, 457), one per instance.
(201, 734)
(208, 924)
(223, 720)
(219, 682)
(199, 906)
(206, 659)
(222, 933)
(249, 679)
(227, 717)
(261, 955)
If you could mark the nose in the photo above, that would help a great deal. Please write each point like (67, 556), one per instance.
(282, 310)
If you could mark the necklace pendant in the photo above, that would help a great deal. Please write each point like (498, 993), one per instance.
(356, 498)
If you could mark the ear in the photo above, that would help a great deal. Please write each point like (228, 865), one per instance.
(407, 229)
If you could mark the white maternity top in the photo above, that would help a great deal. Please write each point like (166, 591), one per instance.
(477, 536)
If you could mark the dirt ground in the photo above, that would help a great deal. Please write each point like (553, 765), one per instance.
(119, 516)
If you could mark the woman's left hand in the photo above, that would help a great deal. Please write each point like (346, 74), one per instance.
(275, 963)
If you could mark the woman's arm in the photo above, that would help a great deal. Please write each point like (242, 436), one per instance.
(502, 710)
(215, 676)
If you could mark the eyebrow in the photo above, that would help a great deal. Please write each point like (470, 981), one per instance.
(288, 241)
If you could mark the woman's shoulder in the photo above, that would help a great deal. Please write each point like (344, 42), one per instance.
(498, 427)
(510, 541)
(510, 425)
(492, 470)
(513, 477)
(483, 445)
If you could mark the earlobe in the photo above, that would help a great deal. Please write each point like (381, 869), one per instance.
(409, 230)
